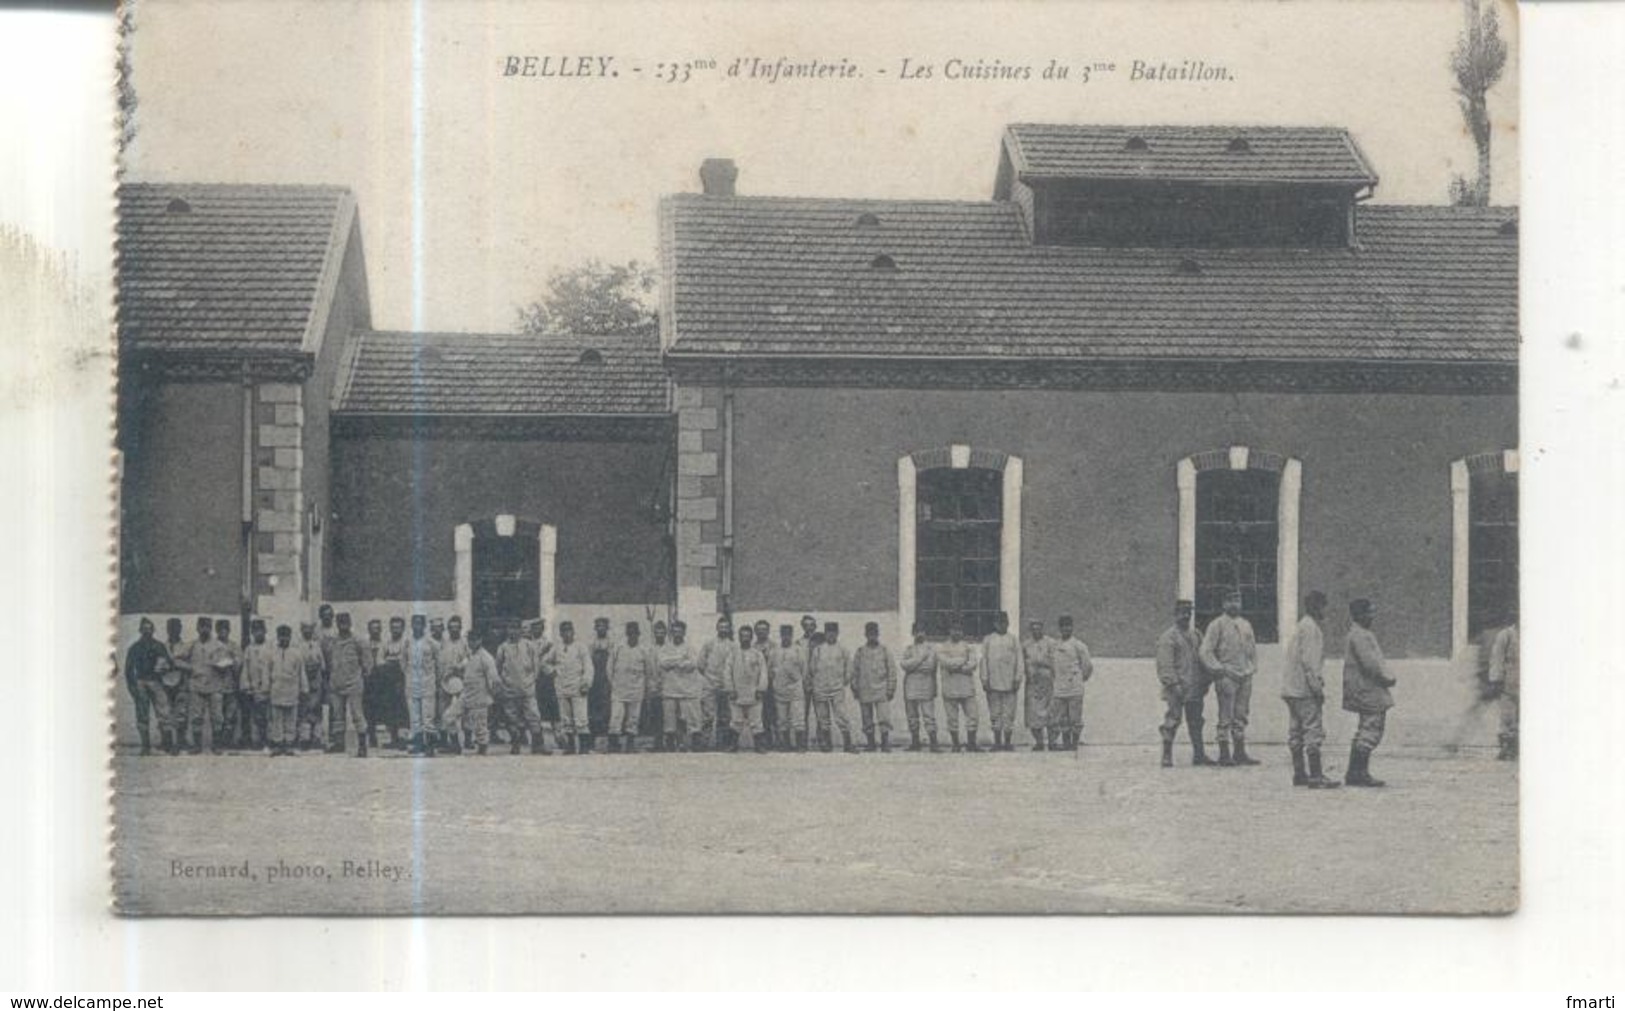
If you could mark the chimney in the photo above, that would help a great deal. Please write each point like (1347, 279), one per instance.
(717, 177)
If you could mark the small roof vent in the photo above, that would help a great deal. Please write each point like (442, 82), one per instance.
(867, 220)
(1136, 144)
(1188, 265)
(883, 263)
(1509, 228)
(590, 356)
(178, 206)
(1238, 145)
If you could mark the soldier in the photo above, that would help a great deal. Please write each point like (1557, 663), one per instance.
(144, 666)
(1003, 670)
(180, 697)
(681, 687)
(1073, 667)
(1303, 687)
(421, 663)
(831, 675)
(745, 686)
(1184, 683)
(384, 700)
(327, 634)
(1230, 654)
(598, 694)
(286, 685)
(1365, 692)
(1503, 678)
(654, 708)
(574, 684)
(480, 679)
(787, 671)
(717, 657)
(545, 663)
(516, 691)
(1038, 653)
(628, 682)
(920, 690)
(957, 663)
(311, 728)
(231, 685)
(256, 682)
(763, 643)
(347, 680)
(874, 685)
(453, 705)
(204, 659)
(809, 628)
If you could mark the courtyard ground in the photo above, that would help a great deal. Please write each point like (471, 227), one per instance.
(1104, 831)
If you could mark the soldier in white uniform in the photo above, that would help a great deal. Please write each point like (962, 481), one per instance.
(1366, 685)
(919, 664)
(628, 682)
(1303, 688)
(1073, 667)
(1184, 684)
(1230, 654)
(831, 676)
(956, 663)
(787, 663)
(1003, 671)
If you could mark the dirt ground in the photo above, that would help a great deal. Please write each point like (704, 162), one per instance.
(1105, 831)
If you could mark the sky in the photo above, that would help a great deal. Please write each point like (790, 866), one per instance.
(473, 186)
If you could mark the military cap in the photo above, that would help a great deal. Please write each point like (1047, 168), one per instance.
(633, 626)
(679, 623)
(280, 629)
(787, 628)
(871, 626)
(763, 623)
(1065, 619)
(832, 626)
(658, 624)
(567, 625)
(1359, 606)
(258, 624)
(600, 620)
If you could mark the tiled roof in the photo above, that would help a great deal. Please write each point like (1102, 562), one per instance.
(778, 276)
(214, 268)
(501, 374)
(1273, 154)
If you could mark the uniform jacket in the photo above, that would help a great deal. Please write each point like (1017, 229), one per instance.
(787, 669)
(141, 662)
(422, 664)
(628, 672)
(1073, 666)
(1177, 659)
(315, 664)
(288, 678)
(257, 661)
(479, 680)
(574, 669)
(747, 676)
(680, 671)
(348, 662)
(1301, 676)
(957, 663)
(831, 670)
(1504, 660)
(655, 685)
(392, 651)
(716, 659)
(203, 657)
(1365, 679)
(232, 674)
(454, 657)
(919, 672)
(1038, 655)
(1003, 664)
(874, 676)
(1228, 647)
(515, 673)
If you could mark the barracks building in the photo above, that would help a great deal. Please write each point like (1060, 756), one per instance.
(1158, 362)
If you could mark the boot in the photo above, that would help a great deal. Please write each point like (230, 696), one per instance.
(456, 743)
(538, 744)
(1359, 771)
(1198, 751)
(936, 749)
(801, 741)
(481, 749)
(1224, 752)
(416, 747)
(696, 742)
(167, 741)
(869, 735)
(1167, 750)
(1300, 776)
(1242, 758)
(361, 745)
(668, 742)
(630, 746)
(146, 740)
(1508, 751)
(612, 744)
(515, 737)
(1038, 740)
(1010, 740)
(914, 739)
(885, 742)
(970, 743)
(585, 745)
(953, 735)
(733, 744)
(826, 741)
(1317, 780)
(846, 743)
(761, 744)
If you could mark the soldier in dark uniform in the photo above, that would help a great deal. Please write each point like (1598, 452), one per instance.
(1366, 685)
(1184, 683)
(598, 696)
(762, 641)
(144, 667)
(654, 708)
(180, 698)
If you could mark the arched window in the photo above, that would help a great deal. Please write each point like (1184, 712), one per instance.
(959, 539)
(1238, 530)
(1484, 489)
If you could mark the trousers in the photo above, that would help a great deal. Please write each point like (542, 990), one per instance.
(624, 717)
(952, 708)
(1066, 713)
(522, 711)
(153, 699)
(1235, 704)
(208, 714)
(681, 715)
(1001, 709)
(832, 710)
(921, 712)
(1508, 704)
(281, 724)
(792, 711)
(573, 715)
(1304, 727)
(1369, 732)
(875, 714)
(347, 711)
(748, 714)
(478, 721)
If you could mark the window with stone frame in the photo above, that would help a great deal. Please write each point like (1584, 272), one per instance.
(957, 544)
(506, 576)
(1492, 550)
(1237, 540)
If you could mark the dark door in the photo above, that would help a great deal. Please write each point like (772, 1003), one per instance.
(1237, 534)
(507, 577)
(957, 549)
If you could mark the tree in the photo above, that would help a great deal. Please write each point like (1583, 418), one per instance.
(594, 298)
(126, 83)
(1479, 58)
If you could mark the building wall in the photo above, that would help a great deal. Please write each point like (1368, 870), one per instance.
(816, 497)
(392, 537)
(181, 498)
